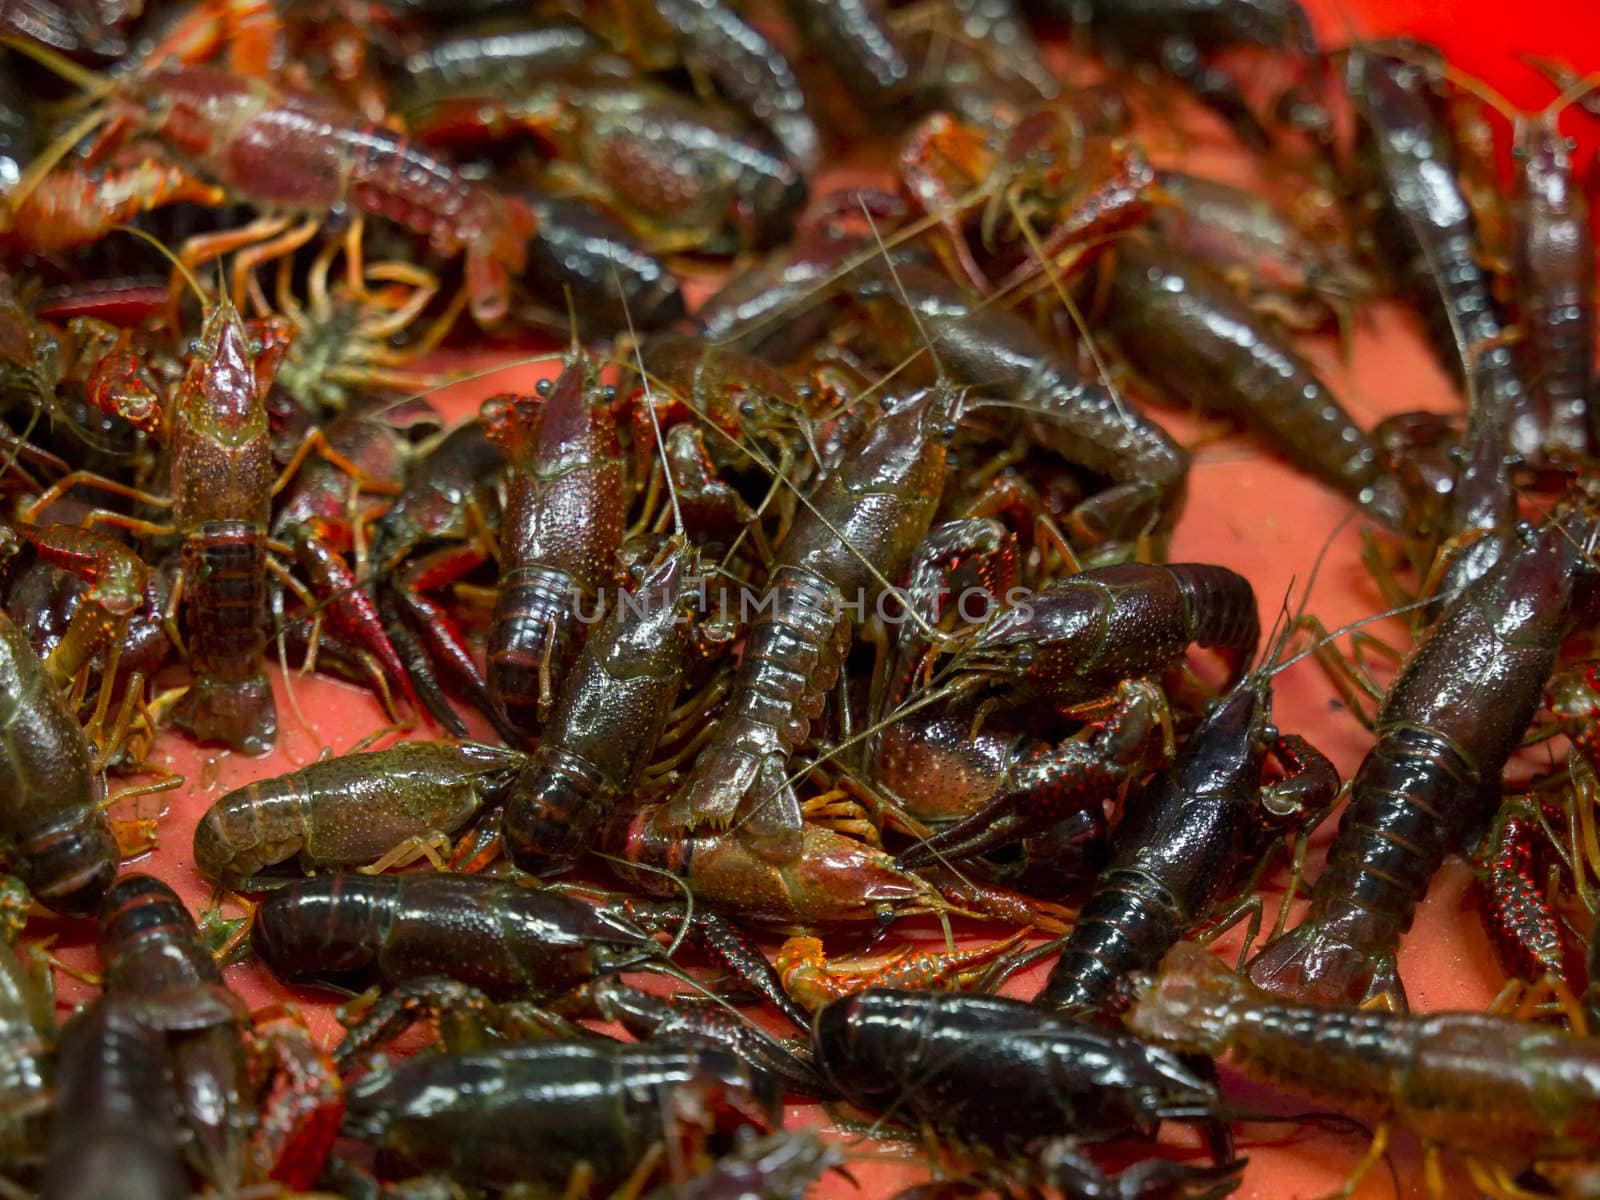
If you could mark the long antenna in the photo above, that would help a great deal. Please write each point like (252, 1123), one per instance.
(1336, 634)
(905, 297)
(181, 267)
(1294, 622)
(649, 396)
(1048, 266)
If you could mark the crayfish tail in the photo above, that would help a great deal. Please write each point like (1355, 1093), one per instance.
(1190, 1001)
(774, 827)
(553, 813)
(722, 778)
(69, 860)
(1312, 964)
(239, 713)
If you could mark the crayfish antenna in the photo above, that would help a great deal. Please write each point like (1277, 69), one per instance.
(1286, 623)
(94, 86)
(649, 398)
(1053, 274)
(178, 265)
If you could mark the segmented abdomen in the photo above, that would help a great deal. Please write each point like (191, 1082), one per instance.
(1412, 796)
(791, 659)
(554, 809)
(225, 563)
(1129, 922)
(1560, 324)
(1085, 422)
(1347, 1057)
(252, 829)
(534, 630)
(1220, 607)
(391, 177)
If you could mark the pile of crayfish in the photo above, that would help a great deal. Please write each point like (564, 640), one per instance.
(819, 604)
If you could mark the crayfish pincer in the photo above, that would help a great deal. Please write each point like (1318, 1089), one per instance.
(508, 941)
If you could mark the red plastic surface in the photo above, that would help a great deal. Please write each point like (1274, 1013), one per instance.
(1247, 510)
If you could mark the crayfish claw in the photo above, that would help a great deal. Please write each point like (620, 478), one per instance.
(996, 824)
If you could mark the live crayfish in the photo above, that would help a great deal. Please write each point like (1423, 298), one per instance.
(221, 479)
(552, 1111)
(1421, 785)
(1084, 643)
(293, 153)
(610, 716)
(1170, 854)
(931, 1057)
(1502, 1091)
(258, 1099)
(134, 1148)
(359, 810)
(564, 459)
(504, 939)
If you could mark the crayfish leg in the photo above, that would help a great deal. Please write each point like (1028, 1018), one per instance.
(1375, 1151)
(392, 1013)
(430, 846)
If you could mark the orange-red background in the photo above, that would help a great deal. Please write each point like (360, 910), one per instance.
(1246, 510)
